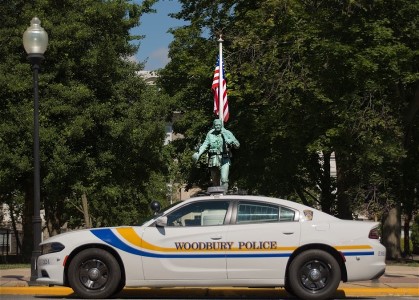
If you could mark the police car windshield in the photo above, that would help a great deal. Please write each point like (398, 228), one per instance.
(168, 207)
(156, 215)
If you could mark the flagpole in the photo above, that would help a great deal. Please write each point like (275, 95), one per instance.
(220, 81)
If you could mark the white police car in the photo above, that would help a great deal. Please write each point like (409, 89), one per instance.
(218, 240)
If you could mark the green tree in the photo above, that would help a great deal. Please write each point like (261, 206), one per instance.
(101, 127)
(308, 79)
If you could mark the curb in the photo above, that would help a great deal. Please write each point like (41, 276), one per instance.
(32, 290)
(377, 292)
(214, 292)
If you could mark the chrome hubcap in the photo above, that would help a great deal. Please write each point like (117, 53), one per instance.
(314, 275)
(93, 274)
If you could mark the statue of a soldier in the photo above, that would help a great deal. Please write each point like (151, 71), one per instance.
(218, 144)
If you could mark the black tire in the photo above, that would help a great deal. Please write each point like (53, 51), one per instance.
(119, 288)
(314, 275)
(94, 273)
(288, 287)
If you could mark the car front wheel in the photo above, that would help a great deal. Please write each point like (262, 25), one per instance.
(94, 273)
(314, 275)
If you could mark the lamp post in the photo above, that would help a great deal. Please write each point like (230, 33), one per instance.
(35, 41)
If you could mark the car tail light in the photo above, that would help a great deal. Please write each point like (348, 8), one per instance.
(374, 234)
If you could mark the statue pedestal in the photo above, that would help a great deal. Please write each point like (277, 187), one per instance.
(216, 190)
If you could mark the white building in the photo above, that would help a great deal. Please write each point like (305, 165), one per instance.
(150, 77)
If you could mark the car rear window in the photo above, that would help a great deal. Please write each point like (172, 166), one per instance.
(248, 212)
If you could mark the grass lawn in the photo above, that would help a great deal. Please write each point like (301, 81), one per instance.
(406, 263)
(14, 266)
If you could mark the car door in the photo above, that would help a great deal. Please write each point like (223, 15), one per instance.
(191, 246)
(264, 235)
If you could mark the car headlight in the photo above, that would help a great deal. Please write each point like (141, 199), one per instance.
(51, 248)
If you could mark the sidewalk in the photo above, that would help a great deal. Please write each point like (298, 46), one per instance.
(397, 281)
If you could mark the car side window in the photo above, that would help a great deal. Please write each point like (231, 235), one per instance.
(254, 212)
(201, 213)
(286, 214)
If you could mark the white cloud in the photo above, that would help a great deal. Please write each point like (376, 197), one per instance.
(157, 59)
(133, 58)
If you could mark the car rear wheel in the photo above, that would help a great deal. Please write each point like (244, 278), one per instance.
(288, 287)
(314, 274)
(94, 273)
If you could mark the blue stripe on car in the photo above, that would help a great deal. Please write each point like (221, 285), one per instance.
(109, 237)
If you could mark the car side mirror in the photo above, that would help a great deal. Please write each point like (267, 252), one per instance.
(161, 221)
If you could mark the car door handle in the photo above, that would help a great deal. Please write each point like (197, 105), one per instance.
(218, 237)
(288, 233)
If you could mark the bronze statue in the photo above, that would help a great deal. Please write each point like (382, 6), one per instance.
(218, 144)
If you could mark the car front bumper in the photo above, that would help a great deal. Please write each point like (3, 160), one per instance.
(50, 268)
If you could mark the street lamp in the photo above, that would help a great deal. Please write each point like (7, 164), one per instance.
(35, 41)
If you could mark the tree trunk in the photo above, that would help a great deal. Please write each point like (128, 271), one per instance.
(87, 223)
(391, 233)
(16, 233)
(409, 169)
(303, 198)
(406, 240)
(326, 196)
(53, 217)
(344, 178)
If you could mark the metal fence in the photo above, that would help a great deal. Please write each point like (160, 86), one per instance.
(9, 251)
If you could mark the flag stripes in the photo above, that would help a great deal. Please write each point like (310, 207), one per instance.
(216, 91)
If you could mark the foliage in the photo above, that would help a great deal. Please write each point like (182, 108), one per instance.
(402, 247)
(101, 127)
(307, 79)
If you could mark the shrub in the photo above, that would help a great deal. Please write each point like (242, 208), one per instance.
(402, 246)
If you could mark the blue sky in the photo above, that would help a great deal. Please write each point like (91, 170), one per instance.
(154, 47)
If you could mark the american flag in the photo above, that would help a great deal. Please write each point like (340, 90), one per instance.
(215, 91)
